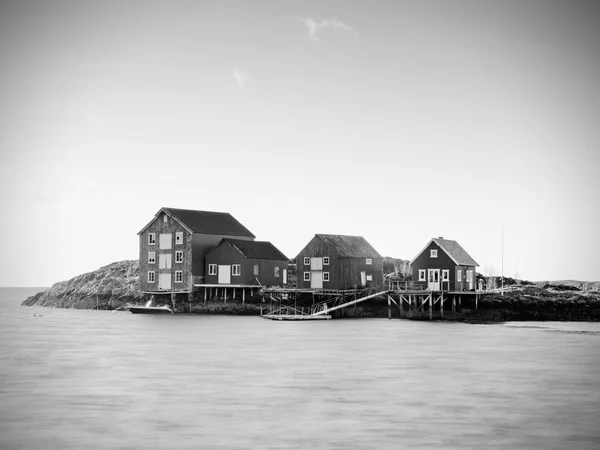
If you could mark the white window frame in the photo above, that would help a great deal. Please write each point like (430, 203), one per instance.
(325, 260)
(179, 256)
(325, 276)
(369, 262)
(256, 270)
(151, 257)
(306, 276)
(433, 253)
(178, 237)
(179, 274)
(236, 270)
(469, 274)
(422, 275)
(212, 269)
(307, 260)
(276, 271)
(445, 275)
(151, 238)
(165, 219)
(369, 277)
(151, 276)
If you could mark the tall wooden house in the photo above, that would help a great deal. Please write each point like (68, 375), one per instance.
(173, 247)
(444, 265)
(337, 262)
(236, 262)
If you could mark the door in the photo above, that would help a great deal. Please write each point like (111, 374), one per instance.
(470, 279)
(164, 281)
(224, 274)
(164, 241)
(363, 279)
(164, 261)
(316, 263)
(434, 279)
(284, 276)
(316, 279)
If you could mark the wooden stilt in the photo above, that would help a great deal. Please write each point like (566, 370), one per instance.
(225, 295)
(243, 296)
(389, 308)
(476, 302)
(205, 296)
(431, 306)
(233, 293)
(442, 305)
(453, 304)
(401, 305)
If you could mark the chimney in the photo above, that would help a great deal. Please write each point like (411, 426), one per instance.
(441, 237)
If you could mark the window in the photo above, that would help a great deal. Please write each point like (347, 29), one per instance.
(178, 276)
(445, 275)
(306, 276)
(151, 276)
(325, 260)
(421, 274)
(276, 272)
(369, 277)
(236, 270)
(165, 218)
(459, 275)
(469, 276)
(179, 237)
(179, 256)
(369, 261)
(306, 261)
(151, 238)
(212, 269)
(433, 253)
(256, 269)
(151, 257)
(325, 276)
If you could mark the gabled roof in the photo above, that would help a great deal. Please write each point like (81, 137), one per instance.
(349, 246)
(206, 222)
(453, 250)
(256, 249)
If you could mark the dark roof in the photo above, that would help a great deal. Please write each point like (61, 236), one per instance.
(257, 249)
(207, 222)
(349, 246)
(453, 250)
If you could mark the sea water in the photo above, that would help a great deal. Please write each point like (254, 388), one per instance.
(72, 379)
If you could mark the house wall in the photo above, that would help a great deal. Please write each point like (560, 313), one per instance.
(225, 254)
(201, 244)
(158, 226)
(352, 267)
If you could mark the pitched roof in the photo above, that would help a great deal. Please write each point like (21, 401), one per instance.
(453, 250)
(207, 222)
(349, 246)
(257, 249)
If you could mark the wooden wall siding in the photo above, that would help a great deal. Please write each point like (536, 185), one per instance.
(344, 273)
(442, 262)
(225, 254)
(158, 226)
(202, 244)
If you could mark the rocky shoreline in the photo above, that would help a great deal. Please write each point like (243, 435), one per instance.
(115, 285)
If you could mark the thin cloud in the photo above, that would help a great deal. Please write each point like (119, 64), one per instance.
(242, 78)
(314, 27)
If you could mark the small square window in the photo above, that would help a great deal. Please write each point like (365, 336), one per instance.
(212, 269)
(433, 253)
(422, 275)
(236, 270)
(325, 276)
(151, 238)
(306, 276)
(256, 269)
(178, 276)
(369, 261)
(179, 256)
(276, 272)
(307, 261)
(179, 237)
(151, 257)
(369, 277)
(151, 276)
(325, 260)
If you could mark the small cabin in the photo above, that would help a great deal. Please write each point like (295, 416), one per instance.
(443, 265)
(173, 246)
(338, 262)
(236, 262)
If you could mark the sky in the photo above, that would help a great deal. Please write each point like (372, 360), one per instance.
(395, 120)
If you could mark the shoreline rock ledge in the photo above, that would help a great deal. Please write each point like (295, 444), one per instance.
(108, 287)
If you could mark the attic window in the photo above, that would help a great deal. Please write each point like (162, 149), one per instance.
(369, 261)
(433, 253)
(165, 218)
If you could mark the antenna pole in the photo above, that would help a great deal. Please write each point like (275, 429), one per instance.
(502, 289)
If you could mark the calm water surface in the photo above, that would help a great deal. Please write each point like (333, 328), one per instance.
(95, 380)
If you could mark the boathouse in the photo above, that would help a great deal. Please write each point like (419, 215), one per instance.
(173, 247)
(236, 262)
(337, 262)
(443, 265)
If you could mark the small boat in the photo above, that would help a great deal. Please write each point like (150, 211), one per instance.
(149, 309)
